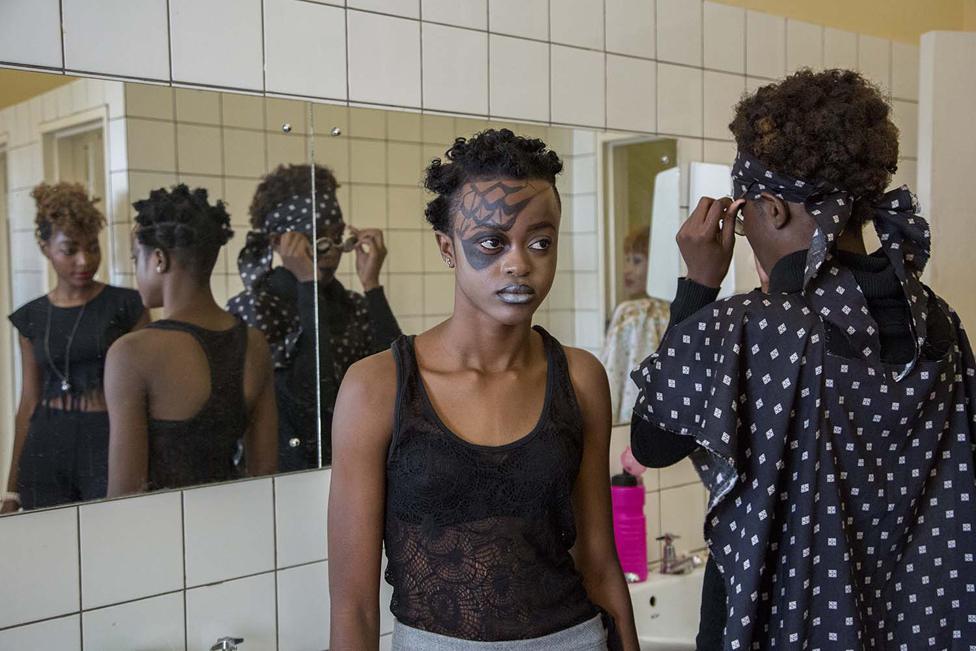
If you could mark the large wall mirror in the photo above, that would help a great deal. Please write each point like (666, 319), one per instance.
(330, 259)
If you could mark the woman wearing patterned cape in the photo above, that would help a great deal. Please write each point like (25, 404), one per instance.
(280, 301)
(831, 417)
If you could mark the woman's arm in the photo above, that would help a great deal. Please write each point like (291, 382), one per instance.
(361, 431)
(595, 552)
(261, 439)
(127, 400)
(30, 395)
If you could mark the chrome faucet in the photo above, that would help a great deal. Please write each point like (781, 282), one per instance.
(670, 563)
(227, 644)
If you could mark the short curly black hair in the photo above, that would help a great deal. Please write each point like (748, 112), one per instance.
(283, 183)
(490, 153)
(182, 222)
(832, 126)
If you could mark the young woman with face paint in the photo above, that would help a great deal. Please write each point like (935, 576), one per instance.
(61, 431)
(478, 450)
(184, 391)
(280, 301)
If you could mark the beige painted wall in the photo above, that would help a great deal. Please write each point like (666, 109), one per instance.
(899, 20)
(947, 157)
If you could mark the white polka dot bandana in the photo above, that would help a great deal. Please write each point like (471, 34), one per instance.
(842, 490)
(261, 309)
(830, 287)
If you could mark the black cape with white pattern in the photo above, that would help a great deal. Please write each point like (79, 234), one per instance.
(841, 505)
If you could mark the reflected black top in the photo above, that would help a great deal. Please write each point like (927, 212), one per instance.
(352, 326)
(478, 537)
(201, 449)
(110, 314)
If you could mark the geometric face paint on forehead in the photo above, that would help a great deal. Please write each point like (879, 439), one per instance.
(485, 206)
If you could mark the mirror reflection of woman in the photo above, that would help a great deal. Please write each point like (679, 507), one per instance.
(281, 302)
(183, 391)
(61, 429)
(478, 450)
(636, 328)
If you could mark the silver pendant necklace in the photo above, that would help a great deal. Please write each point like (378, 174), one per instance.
(66, 376)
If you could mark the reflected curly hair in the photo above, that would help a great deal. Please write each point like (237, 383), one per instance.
(65, 207)
(491, 153)
(283, 183)
(184, 224)
(832, 126)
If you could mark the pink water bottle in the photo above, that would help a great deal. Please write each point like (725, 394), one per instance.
(629, 527)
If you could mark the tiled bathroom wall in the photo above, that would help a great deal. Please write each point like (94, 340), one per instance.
(174, 570)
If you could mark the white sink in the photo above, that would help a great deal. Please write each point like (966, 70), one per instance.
(666, 610)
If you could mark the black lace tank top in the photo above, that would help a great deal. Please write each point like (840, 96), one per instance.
(478, 537)
(202, 449)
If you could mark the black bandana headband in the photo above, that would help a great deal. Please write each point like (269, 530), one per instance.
(904, 235)
(260, 308)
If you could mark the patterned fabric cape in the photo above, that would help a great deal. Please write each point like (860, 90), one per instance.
(842, 490)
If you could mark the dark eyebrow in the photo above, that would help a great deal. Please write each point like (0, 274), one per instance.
(540, 226)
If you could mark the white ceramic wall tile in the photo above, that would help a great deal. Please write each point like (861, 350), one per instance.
(241, 608)
(904, 71)
(131, 549)
(579, 174)
(384, 59)
(30, 32)
(679, 100)
(907, 174)
(765, 45)
(725, 36)
(630, 27)
(840, 49)
(455, 69)
(406, 294)
(405, 207)
(722, 92)
(305, 49)
(679, 31)
(905, 116)
(284, 149)
(216, 519)
(136, 27)
(245, 111)
(403, 163)
(581, 210)
(589, 329)
(408, 8)
(156, 623)
(528, 18)
(403, 247)
(586, 290)
(683, 514)
(439, 293)
(719, 152)
(576, 22)
(652, 523)
(679, 474)
(874, 59)
(470, 13)
(149, 101)
(213, 42)
(631, 96)
(519, 78)
(39, 566)
(804, 45)
(367, 161)
(198, 106)
(151, 145)
(63, 634)
(689, 149)
(303, 598)
(561, 294)
(244, 154)
(198, 149)
(386, 643)
(578, 82)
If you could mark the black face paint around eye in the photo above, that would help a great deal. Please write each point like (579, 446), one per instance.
(482, 205)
